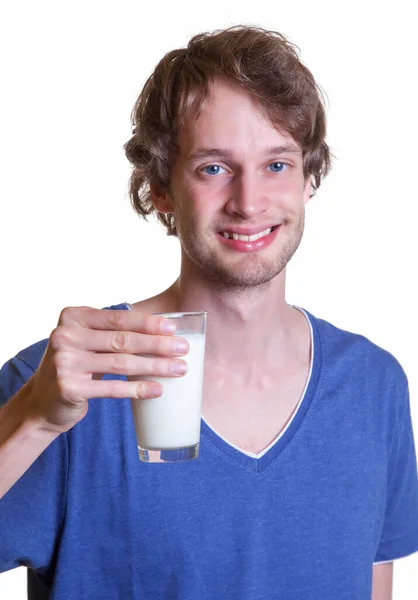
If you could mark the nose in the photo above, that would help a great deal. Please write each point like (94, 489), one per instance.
(248, 198)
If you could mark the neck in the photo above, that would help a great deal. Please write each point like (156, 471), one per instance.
(244, 326)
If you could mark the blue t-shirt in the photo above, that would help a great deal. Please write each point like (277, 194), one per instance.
(336, 492)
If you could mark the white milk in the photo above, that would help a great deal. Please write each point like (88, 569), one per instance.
(173, 420)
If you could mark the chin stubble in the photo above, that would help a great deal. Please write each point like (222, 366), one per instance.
(256, 272)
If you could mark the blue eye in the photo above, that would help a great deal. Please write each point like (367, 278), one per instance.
(212, 170)
(278, 167)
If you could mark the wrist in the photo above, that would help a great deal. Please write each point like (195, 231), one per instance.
(19, 415)
(22, 440)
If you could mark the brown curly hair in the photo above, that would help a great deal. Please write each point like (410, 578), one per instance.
(262, 62)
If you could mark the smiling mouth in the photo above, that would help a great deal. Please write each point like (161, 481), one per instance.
(230, 235)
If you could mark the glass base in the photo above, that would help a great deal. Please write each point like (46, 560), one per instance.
(155, 455)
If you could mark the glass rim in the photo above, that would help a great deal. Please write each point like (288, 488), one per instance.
(181, 314)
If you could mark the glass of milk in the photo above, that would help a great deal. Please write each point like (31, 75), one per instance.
(168, 427)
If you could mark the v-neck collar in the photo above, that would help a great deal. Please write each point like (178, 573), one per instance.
(257, 463)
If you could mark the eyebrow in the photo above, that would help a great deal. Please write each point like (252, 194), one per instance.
(200, 153)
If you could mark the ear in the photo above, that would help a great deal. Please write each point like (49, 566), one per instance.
(161, 198)
(307, 190)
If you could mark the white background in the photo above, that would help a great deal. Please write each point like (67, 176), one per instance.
(71, 72)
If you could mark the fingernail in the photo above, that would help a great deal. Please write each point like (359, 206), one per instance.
(155, 391)
(178, 368)
(168, 326)
(181, 346)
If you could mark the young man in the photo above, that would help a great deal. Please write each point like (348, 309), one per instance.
(306, 483)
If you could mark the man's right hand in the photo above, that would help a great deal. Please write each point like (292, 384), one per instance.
(88, 343)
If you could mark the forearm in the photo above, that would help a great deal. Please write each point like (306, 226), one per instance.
(382, 581)
(22, 440)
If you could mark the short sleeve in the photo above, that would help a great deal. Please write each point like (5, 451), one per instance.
(32, 511)
(399, 536)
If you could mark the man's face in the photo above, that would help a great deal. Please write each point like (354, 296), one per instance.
(236, 174)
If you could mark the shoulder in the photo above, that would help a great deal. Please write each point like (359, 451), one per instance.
(356, 355)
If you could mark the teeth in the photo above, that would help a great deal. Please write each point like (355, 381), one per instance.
(247, 238)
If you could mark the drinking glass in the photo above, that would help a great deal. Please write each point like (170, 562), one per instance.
(168, 427)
